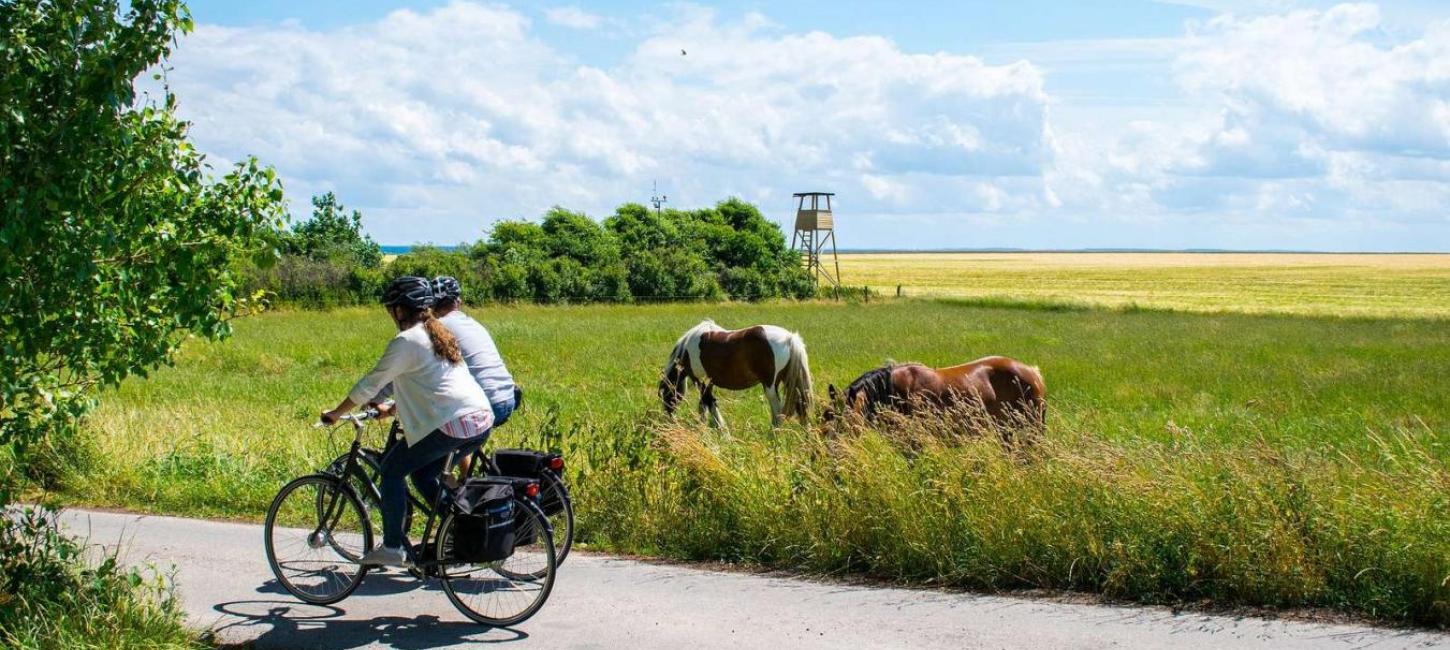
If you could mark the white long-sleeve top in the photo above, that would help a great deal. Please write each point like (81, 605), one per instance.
(429, 391)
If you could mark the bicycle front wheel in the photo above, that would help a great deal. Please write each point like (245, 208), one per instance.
(315, 532)
(509, 591)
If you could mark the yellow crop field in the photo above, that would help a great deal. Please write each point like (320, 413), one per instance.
(1389, 285)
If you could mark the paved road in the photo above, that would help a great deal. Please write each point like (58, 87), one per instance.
(601, 602)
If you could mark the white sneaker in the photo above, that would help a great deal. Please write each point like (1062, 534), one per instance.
(384, 556)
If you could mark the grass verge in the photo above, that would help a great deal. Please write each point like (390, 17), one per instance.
(1151, 522)
(53, 594)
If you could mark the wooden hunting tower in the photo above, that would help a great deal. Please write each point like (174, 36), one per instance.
(814, 227)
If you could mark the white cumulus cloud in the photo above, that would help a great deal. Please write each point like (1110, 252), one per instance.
(1319, 114)
(1324, 72)
(437, 122)
(426, 119)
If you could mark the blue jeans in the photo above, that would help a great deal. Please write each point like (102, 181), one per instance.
(502, 410)
(424, 461)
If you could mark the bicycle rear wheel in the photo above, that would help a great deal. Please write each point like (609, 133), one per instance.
(315, 532)
(553, 496)
(509, 591)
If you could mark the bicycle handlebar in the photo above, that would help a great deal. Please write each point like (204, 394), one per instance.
(357, 419)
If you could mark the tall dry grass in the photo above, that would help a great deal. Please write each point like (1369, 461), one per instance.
(1150, 522)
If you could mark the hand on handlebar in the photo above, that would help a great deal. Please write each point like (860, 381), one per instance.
(333, 417)
(384, 409)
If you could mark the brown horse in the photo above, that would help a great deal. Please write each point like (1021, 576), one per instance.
(764, 355)
(1009, 391)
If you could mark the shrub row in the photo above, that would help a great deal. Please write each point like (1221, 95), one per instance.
(726, 251)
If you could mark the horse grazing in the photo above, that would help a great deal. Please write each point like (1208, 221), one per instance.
(711, 356)
(1010, 392)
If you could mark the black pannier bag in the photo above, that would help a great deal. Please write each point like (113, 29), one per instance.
(528, 463)
(525, 532)
(484, 528)
(521, 462)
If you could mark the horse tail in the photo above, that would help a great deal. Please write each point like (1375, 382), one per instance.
(1034, 396)
(797, 380)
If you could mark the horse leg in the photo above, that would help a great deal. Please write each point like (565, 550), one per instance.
(772, 395)
(706, 399)
(712, 407)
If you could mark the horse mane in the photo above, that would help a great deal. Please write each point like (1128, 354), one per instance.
(876, 385)
(678, 353)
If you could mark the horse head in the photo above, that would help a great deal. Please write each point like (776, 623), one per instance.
(672, 387)
(862, 398)
(836, 404)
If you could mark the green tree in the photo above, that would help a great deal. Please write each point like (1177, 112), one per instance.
(640, 229)
(575, 236)
(116, 241)
(334, 235)
(514, 241)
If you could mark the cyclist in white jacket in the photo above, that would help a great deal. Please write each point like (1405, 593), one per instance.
(440, 404)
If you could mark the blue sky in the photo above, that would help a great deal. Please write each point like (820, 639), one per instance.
(1030, 124)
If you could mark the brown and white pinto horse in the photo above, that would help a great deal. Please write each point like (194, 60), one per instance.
(764, 355)
(1009, 391)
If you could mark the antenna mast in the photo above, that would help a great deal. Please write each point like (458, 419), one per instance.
(656, 198)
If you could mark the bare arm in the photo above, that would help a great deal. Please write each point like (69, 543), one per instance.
(343, 408)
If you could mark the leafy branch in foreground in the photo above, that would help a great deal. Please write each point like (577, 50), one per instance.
(116, 240)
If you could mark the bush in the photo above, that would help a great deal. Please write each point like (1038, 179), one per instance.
(503, 281)
(430, 261)
(51, 597)
(297, 280)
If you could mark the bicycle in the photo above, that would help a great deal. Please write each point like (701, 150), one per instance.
(554, 498)
(321, 518)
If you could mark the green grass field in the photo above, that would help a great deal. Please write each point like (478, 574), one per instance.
(1229, 458)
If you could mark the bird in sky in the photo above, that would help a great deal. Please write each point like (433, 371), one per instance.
(682, 51)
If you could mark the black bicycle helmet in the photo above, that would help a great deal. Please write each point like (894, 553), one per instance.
(446, 287)
(409, 291)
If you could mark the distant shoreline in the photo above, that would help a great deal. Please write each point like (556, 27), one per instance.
(399, 250)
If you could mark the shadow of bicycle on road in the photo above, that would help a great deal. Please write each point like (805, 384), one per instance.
(292, 624)
(377, 584)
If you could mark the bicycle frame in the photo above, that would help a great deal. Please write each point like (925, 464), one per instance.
(433, 510)
(331, 513)
(371, 467)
